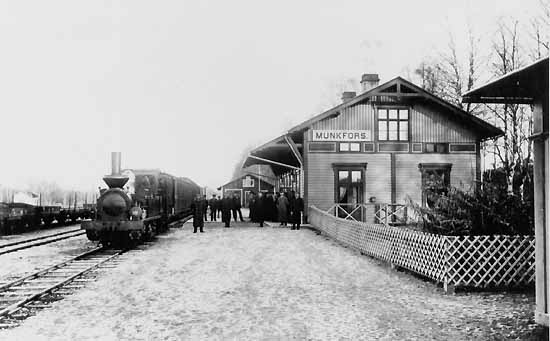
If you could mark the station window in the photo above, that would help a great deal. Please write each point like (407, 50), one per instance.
(393, 124)
(436, 179)
(349, 147)
(441, 148)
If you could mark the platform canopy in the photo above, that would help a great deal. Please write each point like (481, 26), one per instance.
(283, 154)
(520, 86)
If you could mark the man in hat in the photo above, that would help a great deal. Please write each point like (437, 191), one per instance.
(227, 204)
(213, 203)
(237, 207)
(197, 208)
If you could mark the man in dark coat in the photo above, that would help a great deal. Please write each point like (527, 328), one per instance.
(213, 203)
(219, 206)
(197, 208)
(259, 208)
(251, 207)
(227, 204)
(237, 207)
(282, 209)
(296, 209)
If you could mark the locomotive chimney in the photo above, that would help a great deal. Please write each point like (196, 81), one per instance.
(115, 163)
(115, 180)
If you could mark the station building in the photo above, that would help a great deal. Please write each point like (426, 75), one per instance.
(377, 148)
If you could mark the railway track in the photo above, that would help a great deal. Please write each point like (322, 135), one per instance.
(37, 241)
(21, 298)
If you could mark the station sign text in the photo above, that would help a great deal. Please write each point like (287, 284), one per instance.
(341, 135)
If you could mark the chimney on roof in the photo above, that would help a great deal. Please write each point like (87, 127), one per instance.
(369, 81)
(347, 95)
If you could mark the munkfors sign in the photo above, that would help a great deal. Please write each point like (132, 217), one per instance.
(341, 135)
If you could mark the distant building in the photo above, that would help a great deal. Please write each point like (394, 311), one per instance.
(26, 198)
(244, 185)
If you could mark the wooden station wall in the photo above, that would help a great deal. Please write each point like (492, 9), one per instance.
(426, 125)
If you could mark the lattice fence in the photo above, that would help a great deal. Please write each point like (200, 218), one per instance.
(469, 261)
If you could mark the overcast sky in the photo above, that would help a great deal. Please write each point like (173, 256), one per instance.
(185, 86)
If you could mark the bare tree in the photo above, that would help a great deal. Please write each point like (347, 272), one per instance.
(539, 31)
(449, 74)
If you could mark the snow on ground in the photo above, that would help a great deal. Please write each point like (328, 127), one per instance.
(265, 283)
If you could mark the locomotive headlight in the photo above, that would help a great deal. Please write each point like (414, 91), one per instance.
(135, 213)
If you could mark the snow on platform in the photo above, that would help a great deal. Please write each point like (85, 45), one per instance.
(264, 283)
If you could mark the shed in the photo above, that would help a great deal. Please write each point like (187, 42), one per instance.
(245, 185)
(529, 85)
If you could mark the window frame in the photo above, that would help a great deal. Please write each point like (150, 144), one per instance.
(388, 120)
(436, 144)
(349, 147)
(337, 167)
(426, 167)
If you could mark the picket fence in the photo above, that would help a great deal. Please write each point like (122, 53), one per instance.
(456, 261)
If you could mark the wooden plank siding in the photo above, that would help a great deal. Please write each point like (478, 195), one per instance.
(429, 126)
(320, 177)
(409, 178)
(360, 117)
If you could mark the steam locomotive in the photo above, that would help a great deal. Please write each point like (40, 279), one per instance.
(139, 204)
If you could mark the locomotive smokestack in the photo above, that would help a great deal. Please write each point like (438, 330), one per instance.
(115, 180)
(115, 163)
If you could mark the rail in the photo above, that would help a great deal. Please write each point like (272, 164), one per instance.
(37, 241)
(40, 283)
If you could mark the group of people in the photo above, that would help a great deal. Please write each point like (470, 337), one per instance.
(283, 207)
(224, 206)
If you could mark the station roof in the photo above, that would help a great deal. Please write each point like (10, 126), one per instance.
(520, 87)
(276, 153)
(279, 152)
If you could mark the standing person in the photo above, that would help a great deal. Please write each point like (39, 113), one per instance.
(205, 209)
(296, 208)
(272, 207)
(213, 207)
(282, 209)
(227, 203)
(259, 209)
(219, 206)
(237, 207)
(252, 207)
(197, 208)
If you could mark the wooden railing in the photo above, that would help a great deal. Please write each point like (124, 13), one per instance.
(468, 261)
(387, 214)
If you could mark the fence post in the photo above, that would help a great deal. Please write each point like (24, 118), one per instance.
(448, 287)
